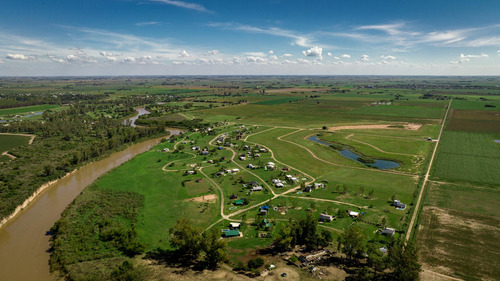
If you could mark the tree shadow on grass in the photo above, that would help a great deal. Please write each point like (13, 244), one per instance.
(174, 259)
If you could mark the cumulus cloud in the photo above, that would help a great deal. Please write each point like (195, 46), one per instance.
(255, 54)
(236, 60)
(346, 56)
(387, 57)
(1, 61)
(498, 52)
(364, 58)
(56, 59)
(106, 54)
(329, 54)
(337, 58)
(273, 57)
(18, 57)
(314, 52)
(290, 55)
(213, 52)
(129, 59)
(466, 58)
(271, 52)
(184, 54)
(253, 59)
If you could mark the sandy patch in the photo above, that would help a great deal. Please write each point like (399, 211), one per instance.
(407, 126)
(211, 198)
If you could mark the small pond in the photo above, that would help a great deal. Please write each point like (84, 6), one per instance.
(347, 153)
(497, 141)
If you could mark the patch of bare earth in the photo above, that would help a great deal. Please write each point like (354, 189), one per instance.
(406, 126)
(211, 198)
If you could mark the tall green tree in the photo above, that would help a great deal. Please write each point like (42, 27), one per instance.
(352, 242)
(404, 261)
(185, 238)
(214, 248)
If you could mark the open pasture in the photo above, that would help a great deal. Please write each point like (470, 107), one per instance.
(470, 157)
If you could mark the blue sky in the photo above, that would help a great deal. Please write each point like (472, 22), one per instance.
(172, 37)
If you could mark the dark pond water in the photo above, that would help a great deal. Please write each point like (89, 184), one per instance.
(347, 153)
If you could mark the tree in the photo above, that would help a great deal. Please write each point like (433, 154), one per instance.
(353, 242)
(185, 238)
(214, 248)
(376, 258)
(404, 261)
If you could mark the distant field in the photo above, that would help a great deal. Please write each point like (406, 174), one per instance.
(27, 109)
(278, 101)
(401, 111)
(8, 142)
(481, 121)
(461, 221)
(471, 157)
(477, 105)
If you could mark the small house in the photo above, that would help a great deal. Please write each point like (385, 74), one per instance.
(388, 231)
(190, 172)
(204, 152)
(276, 181)
(294, 179)
(257, 188)
(318, 185)
(326, 217)
(270, 164)
(239, 202)
(262, 150)
(195, 148)
(353, 214)
(279, 185)
(235, 170)
(265, 223)
(253, 183)
(399, 205)
(234, 225)
(251, 166)
(233, 196)
(242, 158)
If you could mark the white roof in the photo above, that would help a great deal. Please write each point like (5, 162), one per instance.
(234, 224)
(352, 213)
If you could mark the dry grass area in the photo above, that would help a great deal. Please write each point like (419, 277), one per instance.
(463, 243)
(407, 126)
(211, 198)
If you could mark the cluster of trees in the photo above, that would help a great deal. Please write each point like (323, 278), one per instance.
(64, 140)
(301, 232)
(206, 249)
(400, 262)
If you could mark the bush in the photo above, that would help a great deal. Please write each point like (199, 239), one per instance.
(256, 263)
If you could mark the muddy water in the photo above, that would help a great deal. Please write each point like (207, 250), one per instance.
(131, 120)
(23, 240)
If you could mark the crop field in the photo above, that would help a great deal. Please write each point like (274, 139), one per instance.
(471, 157)
(8, 142)
(26, 109)
(461, 221)
(481, 121)
(401, 111)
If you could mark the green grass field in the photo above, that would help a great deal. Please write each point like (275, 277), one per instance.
(11, 141)
(27, 109)
(471, 157)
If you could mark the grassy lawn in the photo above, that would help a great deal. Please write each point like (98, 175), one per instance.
(27, 109)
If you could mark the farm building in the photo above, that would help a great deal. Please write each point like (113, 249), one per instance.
(279, 185)
(239, 202)
(235, 170)
(353, 214)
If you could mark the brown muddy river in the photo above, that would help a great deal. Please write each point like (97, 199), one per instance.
(23, 240)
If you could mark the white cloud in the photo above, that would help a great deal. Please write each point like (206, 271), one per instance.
(337, 58)
(304, 61)
(300, 40)
(56, 59)
(391, 29)
(253, 59)
(364, 58)
(387, 57)
(346, 56)
(329, 54)
(1, 61)
(18, 57)
(290, 55)
(106, 54)
(184, 54)
(466, 58)
(271, 52)
(236, 60)
(129, 59)
(498, 52)
(255, 54)
(273, 57)
(147, 23)
(182, 4)
(213, 52)
(314, 52)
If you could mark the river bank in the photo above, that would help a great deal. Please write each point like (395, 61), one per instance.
(24, 239)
